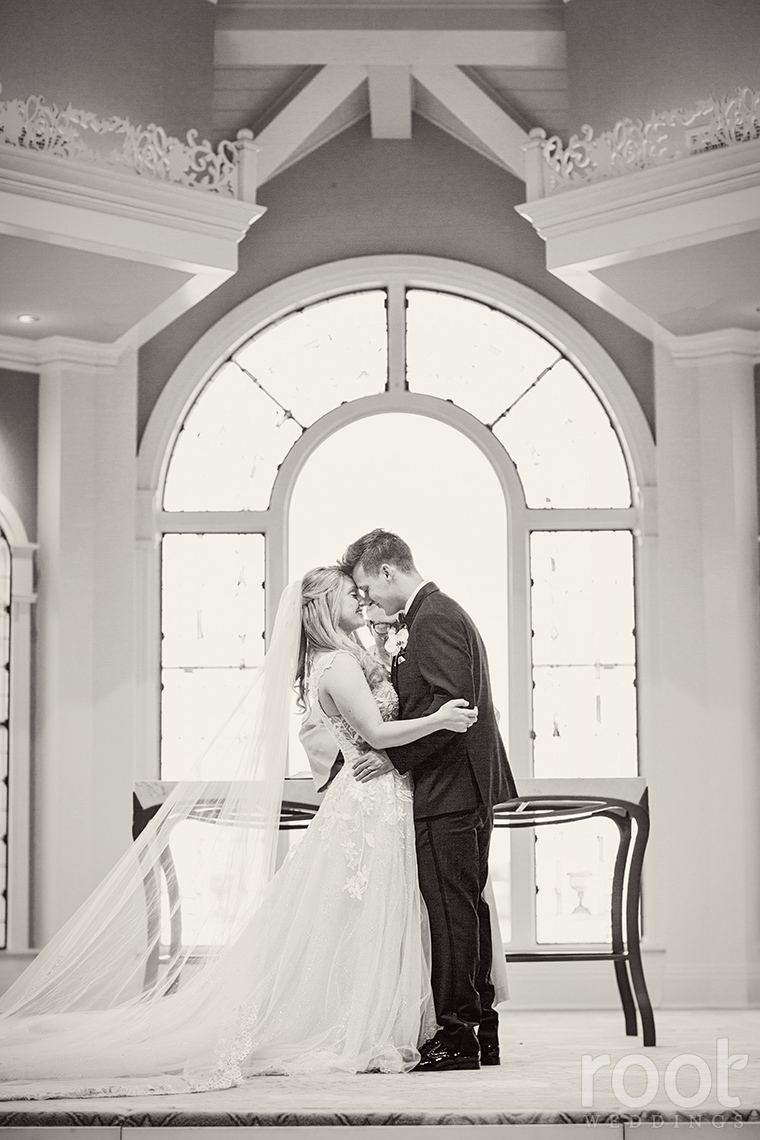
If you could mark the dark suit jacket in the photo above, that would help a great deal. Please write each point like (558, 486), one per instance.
(444, 658)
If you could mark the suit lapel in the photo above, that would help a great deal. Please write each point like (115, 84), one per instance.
(428, 589)
(409, 616)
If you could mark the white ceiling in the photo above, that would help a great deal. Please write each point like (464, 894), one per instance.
(299, 72)
(709, 286)
(80, 294)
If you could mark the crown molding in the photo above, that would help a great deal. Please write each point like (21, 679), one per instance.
(681, 184)
(19, 354)
(116, 213)
(721, 344)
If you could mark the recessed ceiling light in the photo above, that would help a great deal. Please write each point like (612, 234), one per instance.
(27, 319)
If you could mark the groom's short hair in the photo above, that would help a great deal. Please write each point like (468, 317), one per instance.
(372, 550)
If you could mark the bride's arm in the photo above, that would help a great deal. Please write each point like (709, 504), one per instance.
(345, 684)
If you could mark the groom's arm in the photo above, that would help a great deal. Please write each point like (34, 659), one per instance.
(444, 659)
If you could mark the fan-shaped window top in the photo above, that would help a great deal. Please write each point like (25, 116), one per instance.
(256, 405)
(535, 401)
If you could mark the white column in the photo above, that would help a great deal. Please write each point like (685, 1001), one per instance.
(84, 762)
(648, 684)
(148, 640)
(705, 788)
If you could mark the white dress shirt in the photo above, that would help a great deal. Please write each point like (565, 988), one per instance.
(414, 594)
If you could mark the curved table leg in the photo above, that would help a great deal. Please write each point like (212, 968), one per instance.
(623, 824)
(641, 817)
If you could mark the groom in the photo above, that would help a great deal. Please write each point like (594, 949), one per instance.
(457, 780)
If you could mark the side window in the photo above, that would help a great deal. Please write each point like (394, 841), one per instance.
(5, 709)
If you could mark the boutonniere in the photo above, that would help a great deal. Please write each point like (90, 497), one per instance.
(395, 642)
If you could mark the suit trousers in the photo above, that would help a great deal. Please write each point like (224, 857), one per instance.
(452, 857)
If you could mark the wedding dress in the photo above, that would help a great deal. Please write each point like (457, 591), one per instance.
(325, 968)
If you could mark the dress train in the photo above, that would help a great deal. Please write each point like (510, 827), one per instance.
(331, 974)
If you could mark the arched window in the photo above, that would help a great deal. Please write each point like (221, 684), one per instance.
(351, 412)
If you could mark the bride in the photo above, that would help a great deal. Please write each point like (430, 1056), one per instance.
(323, 967)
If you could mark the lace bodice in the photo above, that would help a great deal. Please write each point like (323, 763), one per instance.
(349, 740)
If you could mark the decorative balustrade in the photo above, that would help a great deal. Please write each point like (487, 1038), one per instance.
(634, 144)
(66, 132)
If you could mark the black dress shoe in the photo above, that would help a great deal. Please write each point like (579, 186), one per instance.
(488, 1038)
(489, 1054)
(438, 1057)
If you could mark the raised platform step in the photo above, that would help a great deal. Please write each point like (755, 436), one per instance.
(560, 1073)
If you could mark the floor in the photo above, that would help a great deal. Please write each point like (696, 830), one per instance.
(712, 1058)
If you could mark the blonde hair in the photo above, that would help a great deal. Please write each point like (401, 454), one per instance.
(321, 590)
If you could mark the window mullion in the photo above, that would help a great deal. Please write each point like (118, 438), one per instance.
(397, 338)
(214, 522)
(580, 518)
(276, 567)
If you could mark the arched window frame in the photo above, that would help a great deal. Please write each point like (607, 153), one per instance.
(22, 598)
(396, 274)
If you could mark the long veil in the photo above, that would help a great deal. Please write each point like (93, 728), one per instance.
(115, 994)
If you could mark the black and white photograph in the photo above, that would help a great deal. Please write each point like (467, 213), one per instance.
(379, 574)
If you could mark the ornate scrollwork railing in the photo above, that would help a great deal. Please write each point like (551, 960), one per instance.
(66, 132)
(634, 144)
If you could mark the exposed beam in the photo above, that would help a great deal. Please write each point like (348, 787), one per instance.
(484, 118)
(390, 101)
(442, 15)
(261, 48)
(303, 115)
